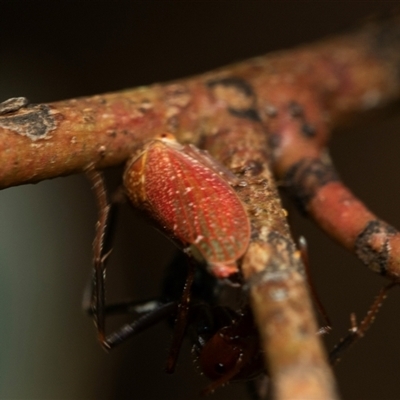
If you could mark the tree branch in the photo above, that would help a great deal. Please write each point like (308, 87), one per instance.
(336, 77)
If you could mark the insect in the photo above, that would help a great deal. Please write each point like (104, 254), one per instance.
(185, 192)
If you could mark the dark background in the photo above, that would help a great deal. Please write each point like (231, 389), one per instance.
(56, 50)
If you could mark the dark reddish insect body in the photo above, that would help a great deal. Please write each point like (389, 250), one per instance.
(181, 188)
(225, 338)
(232, 352)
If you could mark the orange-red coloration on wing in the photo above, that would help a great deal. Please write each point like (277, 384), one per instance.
(181, 188)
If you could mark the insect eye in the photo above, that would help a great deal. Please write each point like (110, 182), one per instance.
(220, 368)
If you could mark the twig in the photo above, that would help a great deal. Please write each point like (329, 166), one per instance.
(340, 76)
(273, 271)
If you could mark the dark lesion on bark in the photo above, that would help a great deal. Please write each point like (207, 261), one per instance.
(372, 245)
(306, 177)
(31, 120)
(239, 95)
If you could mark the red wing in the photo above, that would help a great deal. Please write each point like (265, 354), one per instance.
(193, 203)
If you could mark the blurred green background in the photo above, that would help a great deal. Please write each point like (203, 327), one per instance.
(56, 50)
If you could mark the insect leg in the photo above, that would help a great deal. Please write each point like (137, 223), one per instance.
(146, 313)
(145, 321)
(357, 332)
(181, 319)
(97, 294)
